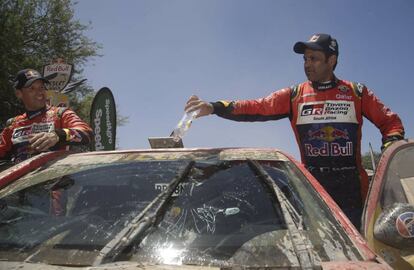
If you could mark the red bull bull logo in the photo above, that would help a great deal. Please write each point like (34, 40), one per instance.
(31, 74)
(328, 134)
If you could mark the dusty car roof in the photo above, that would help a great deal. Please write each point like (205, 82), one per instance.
(65, 158)
(197, 153)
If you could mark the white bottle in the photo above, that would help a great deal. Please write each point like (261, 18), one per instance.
(184, 125)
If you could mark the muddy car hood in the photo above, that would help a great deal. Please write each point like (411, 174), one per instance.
(134, 266)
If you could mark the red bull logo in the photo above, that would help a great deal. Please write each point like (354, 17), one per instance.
(31, 74)
(328, 134)
(329, 150)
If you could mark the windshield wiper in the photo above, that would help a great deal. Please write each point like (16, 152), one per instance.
(293, 219)
(137, 227)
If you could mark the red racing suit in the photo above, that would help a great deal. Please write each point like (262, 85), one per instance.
(71, 130)
(327, 120)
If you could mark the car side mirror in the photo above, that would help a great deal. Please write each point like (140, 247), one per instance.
(395, 226)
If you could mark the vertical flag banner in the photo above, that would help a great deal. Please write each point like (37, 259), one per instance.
(103, 120)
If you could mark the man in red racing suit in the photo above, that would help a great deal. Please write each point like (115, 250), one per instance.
(41, 128)
(326, 115)
(69, 128)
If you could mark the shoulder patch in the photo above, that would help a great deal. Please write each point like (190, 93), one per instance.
(358, 88)
(10, 121)
(295, 91)
(60, 111)
(343, 88)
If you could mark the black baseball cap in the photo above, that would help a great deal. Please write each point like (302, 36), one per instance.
(319, 42)
(25, 78)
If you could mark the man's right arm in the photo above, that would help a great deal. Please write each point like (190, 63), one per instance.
(273, 107)
(74, 130)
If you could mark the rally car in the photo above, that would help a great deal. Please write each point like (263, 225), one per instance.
(218, 208)
(388, 220)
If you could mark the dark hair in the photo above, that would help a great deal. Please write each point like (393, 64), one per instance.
(329, 54)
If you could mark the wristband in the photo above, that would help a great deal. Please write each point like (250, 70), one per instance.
(67, 132)
(63, 134)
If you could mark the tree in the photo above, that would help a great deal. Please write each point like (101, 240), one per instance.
(367, 161)
(32, 33)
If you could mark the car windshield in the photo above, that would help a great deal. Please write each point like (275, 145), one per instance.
(220, 212)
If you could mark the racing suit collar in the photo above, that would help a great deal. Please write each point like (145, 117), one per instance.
(32, 114)
(325, 85)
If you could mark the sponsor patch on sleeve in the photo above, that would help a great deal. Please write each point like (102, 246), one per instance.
(74, 136)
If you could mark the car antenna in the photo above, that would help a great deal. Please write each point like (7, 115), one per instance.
(372, 157)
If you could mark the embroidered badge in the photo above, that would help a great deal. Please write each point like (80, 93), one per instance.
(405, 224)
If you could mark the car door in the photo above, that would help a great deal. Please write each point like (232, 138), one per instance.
(388, 217)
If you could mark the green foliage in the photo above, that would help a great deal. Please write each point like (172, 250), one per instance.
(82, 105)
(367, 161)
(32, 33)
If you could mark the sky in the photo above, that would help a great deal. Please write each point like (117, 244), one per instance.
(157, 53)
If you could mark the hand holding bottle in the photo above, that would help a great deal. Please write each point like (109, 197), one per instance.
(195, 107)
(195, 103)
(184, 125)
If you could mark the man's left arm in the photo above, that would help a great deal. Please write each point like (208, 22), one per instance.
(388, 122)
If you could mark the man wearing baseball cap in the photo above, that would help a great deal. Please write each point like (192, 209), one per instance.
(42, 127)
(326, 116)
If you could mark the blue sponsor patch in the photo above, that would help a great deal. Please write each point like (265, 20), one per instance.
(405, 224)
